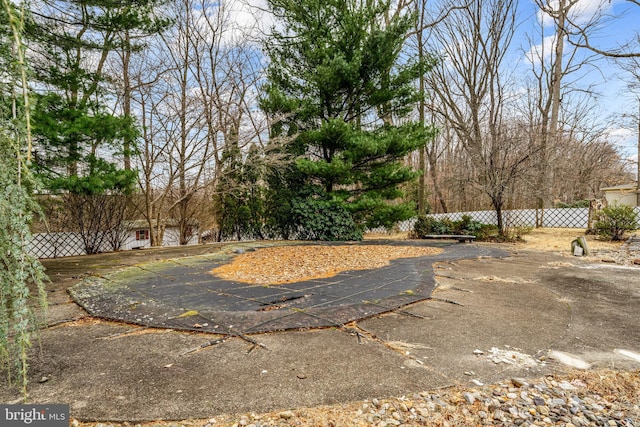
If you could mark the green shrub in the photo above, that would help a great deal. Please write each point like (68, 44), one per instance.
(486, 232)
(575, 204)
(326, 220)
(426, 225)
(468, 225)
(444, 226)
(613, 221)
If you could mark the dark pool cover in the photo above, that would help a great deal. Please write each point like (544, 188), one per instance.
(182, 293)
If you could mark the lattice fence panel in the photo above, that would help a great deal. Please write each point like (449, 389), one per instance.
(566, 218)
(56, 245)
(551, 218)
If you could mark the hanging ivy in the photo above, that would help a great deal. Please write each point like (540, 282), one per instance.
(22, 293)
(20, 273)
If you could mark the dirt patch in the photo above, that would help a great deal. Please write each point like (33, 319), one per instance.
(540, 239)
(559, 240)
(279, 265)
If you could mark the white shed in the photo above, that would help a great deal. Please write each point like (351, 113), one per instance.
(138, 234)
(625, 194)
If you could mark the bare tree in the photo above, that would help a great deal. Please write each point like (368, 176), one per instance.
(428, 157)
(557, 69)
(99, 218)
(226, 68)
(632, 67)
(150, 87)
(471, 97)
(579, 32)
(428, 151)
(194, 90)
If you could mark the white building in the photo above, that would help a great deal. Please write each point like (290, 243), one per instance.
(626, 194)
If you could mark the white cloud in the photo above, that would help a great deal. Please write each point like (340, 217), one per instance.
(621, 135)
(541, 52)
(250, 17)
(626, 140)
(233, 21)
(582, 12)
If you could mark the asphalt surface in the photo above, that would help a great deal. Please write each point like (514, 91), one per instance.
(489, 318)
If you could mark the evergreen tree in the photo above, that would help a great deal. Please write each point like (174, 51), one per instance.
(337, 92)
(238, 198)
(78, 134)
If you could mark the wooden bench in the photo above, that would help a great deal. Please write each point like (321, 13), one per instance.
(462, 238)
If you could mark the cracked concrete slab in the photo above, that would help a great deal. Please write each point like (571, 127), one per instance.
(532, 302)
(156, 375)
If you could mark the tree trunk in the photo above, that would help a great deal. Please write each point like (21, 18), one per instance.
(126, 101)
(497, 207)
(437, 189)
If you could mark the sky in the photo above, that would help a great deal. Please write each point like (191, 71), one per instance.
(616, 101)
(622, 25)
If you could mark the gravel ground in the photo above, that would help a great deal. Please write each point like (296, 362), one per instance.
(590, 398)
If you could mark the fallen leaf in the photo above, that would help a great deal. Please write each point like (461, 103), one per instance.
(278, 265)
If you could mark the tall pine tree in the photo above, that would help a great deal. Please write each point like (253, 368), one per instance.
(77, 132)
(338, 95)
(80, 136)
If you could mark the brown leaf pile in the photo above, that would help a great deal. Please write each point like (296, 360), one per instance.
(287, 264)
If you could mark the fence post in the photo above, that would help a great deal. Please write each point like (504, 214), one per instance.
(539, 217)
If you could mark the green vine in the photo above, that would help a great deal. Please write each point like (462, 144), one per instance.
(21, 275)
